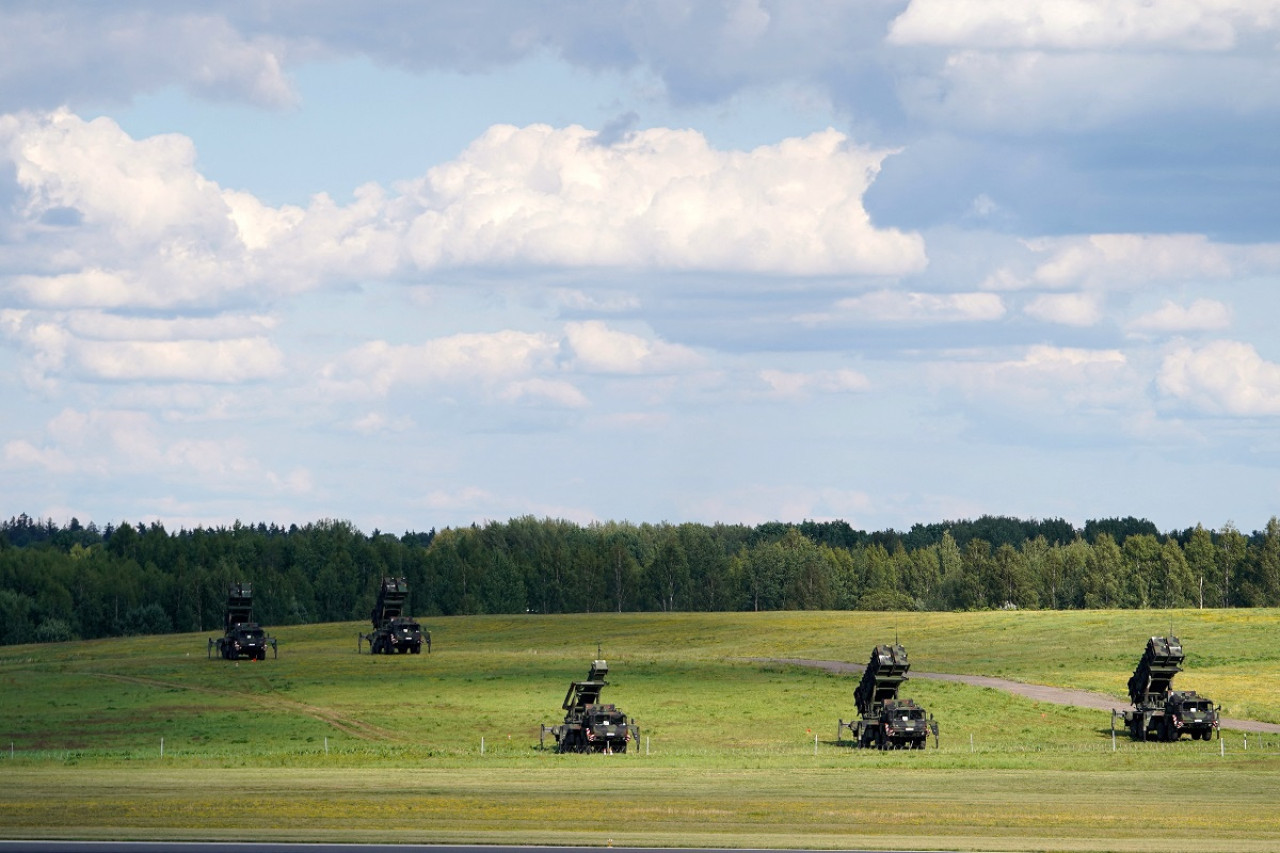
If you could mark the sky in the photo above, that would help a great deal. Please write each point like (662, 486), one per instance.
(417, 265)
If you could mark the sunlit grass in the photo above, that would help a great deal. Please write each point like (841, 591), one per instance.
(325, 744)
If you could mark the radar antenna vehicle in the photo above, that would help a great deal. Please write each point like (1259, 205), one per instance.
(394, 632)
(243, 638)
(589, 724)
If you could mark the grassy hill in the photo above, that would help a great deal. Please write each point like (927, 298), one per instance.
(326, 744)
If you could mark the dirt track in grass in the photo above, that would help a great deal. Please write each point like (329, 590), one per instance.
(348, 725)
(1038, 692)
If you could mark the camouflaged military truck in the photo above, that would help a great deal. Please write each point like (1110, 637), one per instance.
(394, 632)
(244, 638)
(590, 725)
(885, 721)
(1159, 712)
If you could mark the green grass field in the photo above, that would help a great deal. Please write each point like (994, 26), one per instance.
(325, 744)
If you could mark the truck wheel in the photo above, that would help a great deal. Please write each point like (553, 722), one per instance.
(417, 650)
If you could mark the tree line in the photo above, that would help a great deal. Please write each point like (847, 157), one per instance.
(61, 582)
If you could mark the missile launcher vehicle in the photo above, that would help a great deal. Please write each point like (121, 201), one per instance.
(394, 632)
(1160, 712)
(885, 721)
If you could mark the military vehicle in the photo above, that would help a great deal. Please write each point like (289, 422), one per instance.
(244, 638)
(590, 725)
(885, 721)
(1159, 712)
(393, 631)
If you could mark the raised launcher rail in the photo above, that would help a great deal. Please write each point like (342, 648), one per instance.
(590, 725)
(1158, 709)
(1153, 679)
(584, 693)
(884, 674)
(392, 596)
(239, 609)
(242, 636)
(884, 720)
(393, 630)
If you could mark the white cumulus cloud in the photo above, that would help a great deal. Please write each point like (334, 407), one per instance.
(136, 224)
(660, 198)
(109, 444)
(785, 383)
(1068, 309)
(1193, 25)
(894, 306)
(1202, 315)
(1046, 377)
(98, 345)
(483, 359)
(597, 348)
(1129, 260)
(235, 360)
(1222, 377)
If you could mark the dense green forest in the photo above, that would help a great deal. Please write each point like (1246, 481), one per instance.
(74, 581)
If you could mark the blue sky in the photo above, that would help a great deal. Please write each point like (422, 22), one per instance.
(429, 265)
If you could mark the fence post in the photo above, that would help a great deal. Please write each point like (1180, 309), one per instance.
(815, 744)
(971, 741)
(326, 745)
(482, 744)
(162, 747)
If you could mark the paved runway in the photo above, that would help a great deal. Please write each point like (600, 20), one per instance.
(252, 847)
